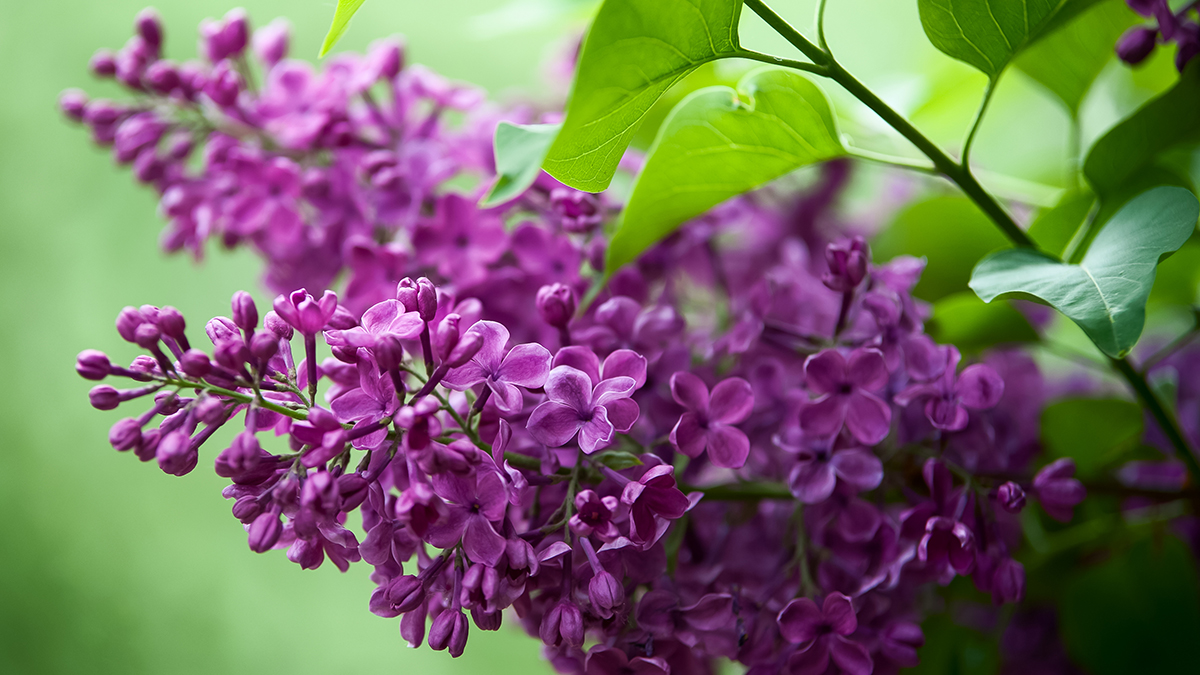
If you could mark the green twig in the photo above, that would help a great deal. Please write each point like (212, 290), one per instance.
(965, 160)
(1165, 418)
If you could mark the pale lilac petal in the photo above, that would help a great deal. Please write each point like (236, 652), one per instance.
(728, 447)
(824, 416)
(861, 470)
(580, 358)
(507, 398)
(570, 387)
(866, 369)
(553, 424)
(688, 436)
(597, 432)
(731, 402)
(839, 612)
(812, 482)
(979, 387)
(825, 372)
(627, 363)
(481, 542)
(612, 389)
(526, 365)
(619, 313)
(355, 405)
(946, 415)
(800, 622)
(689, 391)
(491, 496)
(465, 376)
(495, 339)
(852, 657)
(354, 337)
(867, 417)
(623, 413)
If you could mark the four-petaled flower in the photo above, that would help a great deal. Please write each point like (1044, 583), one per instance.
(822, 633)
(948, 397)
(596, 413)
(708, 422)
(846, 385)
(525, 365)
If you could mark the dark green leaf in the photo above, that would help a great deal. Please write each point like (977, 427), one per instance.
(618, 459)
(950, 232)
(985, 34)
(1138, 612)
(341, 19)
(520, 149)
(966, 322)
(1106, 292)
(719, 143)
(952, 649)
(1066, 61)
(1094, 432)
(633, 53)
(1133, 145)
(1054, 228)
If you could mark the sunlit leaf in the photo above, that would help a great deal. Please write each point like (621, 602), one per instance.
(985, 34)
(341, 19)
(520, 150)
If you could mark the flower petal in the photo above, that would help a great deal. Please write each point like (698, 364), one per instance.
(570, 387)
(597, 432)
(612, 389)
(553, 424)
(580, 358)
(858, 468)
(731, 402)
(481, 542)
(868, 417)
(866, 369)
(688, 437)
(852, 657)
(824, 416)
(627, 363)
(839, 612)
(825, 371)
(526, 365)
(495, 339)
(623, 413)
(812, 482)
(689, 391)
(507, 398)
(728, 447)
(800, 621)
(979, 387)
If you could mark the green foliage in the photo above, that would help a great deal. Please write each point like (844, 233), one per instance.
(1105, 294)
(634, 52)
(952, 648)
(965, 321)
(341, 20)
(1138, 612)
(1067, 61)
(1178, 278)
(985, 34)
(950, 232)
(1094, 432)
(618, 460)
(520, 149)
(718, 143)
(1054, 228)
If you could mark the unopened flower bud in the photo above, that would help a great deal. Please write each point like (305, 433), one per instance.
(562, 624)
(271, 41)
(1011, 497)
(127, 323)
(171, 323)
(1136, 44)
(278, 326)
(223, 85)
(486, 620)
(195, 363)
(556, 304)
(465, 350)
(175, 454)
(73, 103)
(168, 402)
(412, 626)
(92, 365)
(1008, 582)
(445, 336)
(161, 77)
(605, 594)
(231, 353)
(247, 508)
(353, 489)
(264, 532)
(210, 410)
(104, 397)
(245, 313)
(426, 299)
(103, 63)
(236, 31)
(406, 293)
(148, 446)
(406, 593)
(263, 345)
(449, 632)
(125, 434)
(342, 319)
(149, 26)
(847, 265)
(388, 352)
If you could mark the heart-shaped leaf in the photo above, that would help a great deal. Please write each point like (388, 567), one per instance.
(520, 150)
(1106, 292)
(985, 34)
(341, 20)
(719, 143)
(633, 53)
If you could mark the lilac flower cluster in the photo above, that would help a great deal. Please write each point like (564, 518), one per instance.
(744, 447)
(1180, 27)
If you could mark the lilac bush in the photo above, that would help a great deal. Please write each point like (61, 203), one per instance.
(742, 446)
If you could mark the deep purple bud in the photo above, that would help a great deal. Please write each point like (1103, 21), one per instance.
(145, 365)
(175, 454)
(240, 458)
(168, 402)
(146, 450)
(446, 335)
(247, 508)
(406, 593)
(236, 31)
(449, 632)
(195, 363)
(92, 365)
(149, 26)
(73, 103)
(556, 304)
(406, 293)
(1057, 490)
(245, 313)
(1136, 44)
(563, 623)
(271, 41)
(263, 345)
(426, 299)
(487, 620)
(211, 409)
(1011, 497)
(278, 326)
(847, 265)
(171, 323)
(605, 594)
(265, 531)
(342, 319)
(304, 312)
(388, 352)
(320, 493)
(104, 397)
(231, 353)
(125, 434)
(353, 489)
(161, 77)
(465, 350)
(345, 354)
(390, 57)
(127, 323)
(1008, 582)
(223, 85)
(103, 63)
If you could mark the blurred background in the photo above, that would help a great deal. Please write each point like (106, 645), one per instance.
(109, 566)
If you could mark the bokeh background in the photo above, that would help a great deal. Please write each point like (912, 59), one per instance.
(110, 566)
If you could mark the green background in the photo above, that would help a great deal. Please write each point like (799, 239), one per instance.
(107, 565)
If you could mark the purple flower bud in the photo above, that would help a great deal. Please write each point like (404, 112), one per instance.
(73, 103)
(171, 322)
(271, 41)
(211, 410)
(465, 350)
(232, 354)
(168, 402)
(426, 299)
(135, 133)
(175, 454)
(125, 434)
(1011, 497)
(149, 27)
(353, 489)
(487, 620)
(146, 450)
(406, 593)
(220, 329)
(263, 345)
(265, 531)
(445, 336)
(556, 304)
(562, 624)
(1136, 44)
(320, 493)
(449, 632)
(406, 293)
(388, 352)
(241, 457)
(161, 77)
(605, 593)
(195, 363)
(236, 31)
(847, 265)
(223, 85)
(342, 319)
(92, 365)
(278, 326)
(247, 508)
(104, 397)
(1057, 490)
(245, 313)
(103, 63)
(127, 323)
(578, 211)
(145, 365)
(1008, 582)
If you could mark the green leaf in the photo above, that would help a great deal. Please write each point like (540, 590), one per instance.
(1137, 612)
(520, 149)
(1054, 228)
(1094, 432)
(341, 19)
(985, 34)
(719, 143)
(1178, 278)
(1105, 294)
(1132, 146)
(966, 322)
(950, 232)
(633, 53)
(953, 648)
(1068, 60)
(618, 460)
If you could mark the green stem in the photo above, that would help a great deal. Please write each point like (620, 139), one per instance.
(742, 491)
(779, 61)
(816, 54)
(238, 396)
(821, 42)
(965, 161)
(891, 160)
(1161, 414)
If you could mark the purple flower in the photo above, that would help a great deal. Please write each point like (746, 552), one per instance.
(385, 318)
(603, 660)
(1057, 490)
(526, 365)
(374, 400)
(847, 265)
(305, 313)
(576, 407)
(948, 398)
(846, 385)
(653, 502)
(819, 468)
(462, 241)
(476, 502)
(708, 422)
(594, 514)
(821, 634)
